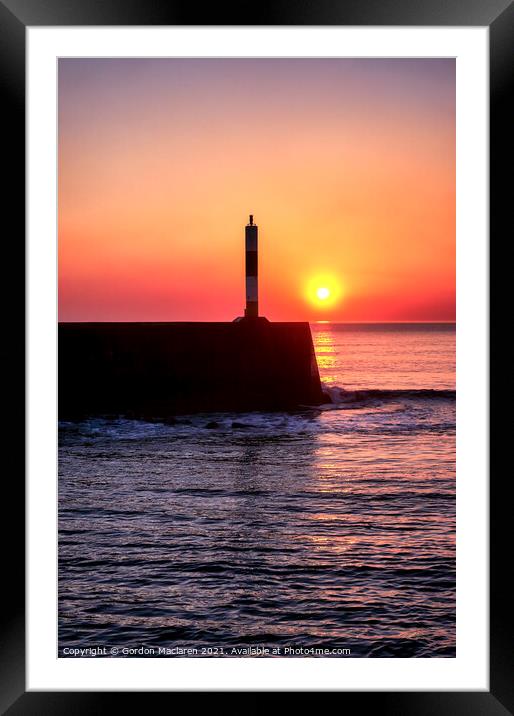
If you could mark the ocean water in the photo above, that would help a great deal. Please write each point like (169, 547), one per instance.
(324, 529)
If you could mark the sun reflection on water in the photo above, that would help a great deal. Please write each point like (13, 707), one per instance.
(325, 351)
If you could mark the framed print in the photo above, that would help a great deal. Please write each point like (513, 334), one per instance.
(257, 354)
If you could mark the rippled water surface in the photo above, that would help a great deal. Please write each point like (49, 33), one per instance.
(330, 528)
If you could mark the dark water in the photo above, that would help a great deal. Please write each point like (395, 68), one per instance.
(328, 529)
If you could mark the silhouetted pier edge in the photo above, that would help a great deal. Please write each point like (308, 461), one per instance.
(158, 370)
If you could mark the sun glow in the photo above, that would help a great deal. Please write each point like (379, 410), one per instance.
(324, 291)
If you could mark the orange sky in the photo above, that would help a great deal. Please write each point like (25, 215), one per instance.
(347, 165)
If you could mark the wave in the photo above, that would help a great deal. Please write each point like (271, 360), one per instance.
(340, 396)
(375, 410)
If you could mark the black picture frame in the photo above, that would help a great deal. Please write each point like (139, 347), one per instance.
(15, 17)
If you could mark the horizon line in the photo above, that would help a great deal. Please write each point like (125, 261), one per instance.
(375, 322)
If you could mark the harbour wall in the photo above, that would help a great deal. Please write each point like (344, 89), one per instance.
(158, 370)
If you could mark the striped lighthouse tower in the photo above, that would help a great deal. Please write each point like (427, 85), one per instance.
(252, 295)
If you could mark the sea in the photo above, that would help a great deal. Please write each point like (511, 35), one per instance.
(326, 532)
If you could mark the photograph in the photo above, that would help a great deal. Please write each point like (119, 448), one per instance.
(256, 357)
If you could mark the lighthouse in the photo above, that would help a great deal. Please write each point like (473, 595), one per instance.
(251, 270)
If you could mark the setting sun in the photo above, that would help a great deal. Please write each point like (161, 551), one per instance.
(323, 293)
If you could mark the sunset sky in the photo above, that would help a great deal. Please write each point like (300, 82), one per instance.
(347, 165)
